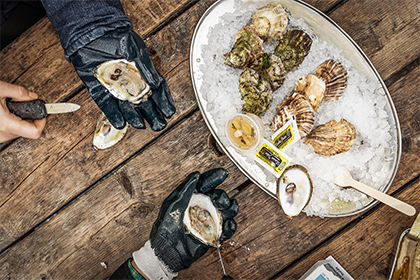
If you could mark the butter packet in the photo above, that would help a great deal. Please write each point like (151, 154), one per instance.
(271, 158)
(287, 135)
(328, 269)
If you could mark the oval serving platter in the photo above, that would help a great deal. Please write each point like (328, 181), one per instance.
(326, 30)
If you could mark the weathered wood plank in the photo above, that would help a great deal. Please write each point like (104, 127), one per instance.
(106, 224)
(365, 250)
(387, 32)
(41, 39)
(14, 170)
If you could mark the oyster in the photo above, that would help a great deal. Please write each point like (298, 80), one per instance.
(314, 89)
(294, 189)
(335, 77)
(271, 69)
(292, 48)
(105, 134)
(123, 80)
(270, 21)
(332, 138)
(247, 47)
(297, 105)
(202, 220)
(255, 91)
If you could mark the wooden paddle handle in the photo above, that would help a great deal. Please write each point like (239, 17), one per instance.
(384, 198)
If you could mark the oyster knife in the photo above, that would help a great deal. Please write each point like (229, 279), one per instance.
(38, 109)
(415, 229)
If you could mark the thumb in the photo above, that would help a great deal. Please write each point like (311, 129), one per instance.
(17, 93)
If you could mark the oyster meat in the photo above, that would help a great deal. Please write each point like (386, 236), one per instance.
(294, 189)
(202, 220)
(255, 91)
(105, 134)
(292, 48)
(332, 138)
(248, 46)
(270, 21)
(123, 80)
(335, 77)
(271, 69)
(297, 105)
(314, 89)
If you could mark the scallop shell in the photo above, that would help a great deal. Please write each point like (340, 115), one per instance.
(292, 48)
(314, 89)
(255, 91)
(247, 47)
(106, 135)
(202, 220)
(332, 138)
(270, 21)
(335, 78)
(294, 189)
(271, 69)
(123, 80)
(297, 105)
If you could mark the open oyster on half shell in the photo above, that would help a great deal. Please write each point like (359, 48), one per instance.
(255, 91)
(248, 46)
(270, 21)
(292, 48)
(106, 135)
(294, 189)
(202, 220)
(298, 105)
(123, 80)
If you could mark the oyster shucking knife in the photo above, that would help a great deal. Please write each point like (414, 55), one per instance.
(38, 109)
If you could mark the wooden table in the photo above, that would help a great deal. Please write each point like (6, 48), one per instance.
(68, 212)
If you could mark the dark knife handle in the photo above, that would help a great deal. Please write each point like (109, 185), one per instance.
(34, 109)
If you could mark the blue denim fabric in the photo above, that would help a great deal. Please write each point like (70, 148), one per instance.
(79, 22)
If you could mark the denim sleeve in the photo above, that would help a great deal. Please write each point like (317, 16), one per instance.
(79, 22)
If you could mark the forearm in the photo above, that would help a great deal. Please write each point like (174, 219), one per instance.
(80, 22)
(128, 271)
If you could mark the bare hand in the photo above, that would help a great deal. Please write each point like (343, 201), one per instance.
(11, 126)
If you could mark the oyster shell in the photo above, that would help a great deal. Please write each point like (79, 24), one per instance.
(247, 47)
(123, 80)
(270, 21)
(297, 105)
(294, 189)
(105, 134)
(314, 89)
(335, 78)
(332, 138)
(255, 91)
(202, 220)
(292, 48)
(271, 69)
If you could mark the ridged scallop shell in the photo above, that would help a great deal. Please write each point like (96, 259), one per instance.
(332, 138)
(255, 91)
(247, 47)
(314, 89)
(271, 69)
(292, 48)
(335, 78)
(296, 105)
(270, 21)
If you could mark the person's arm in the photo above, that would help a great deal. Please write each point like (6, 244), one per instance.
(128, 271)
(12, 126)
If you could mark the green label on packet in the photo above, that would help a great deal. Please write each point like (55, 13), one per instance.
(286, 135)
(271, 158)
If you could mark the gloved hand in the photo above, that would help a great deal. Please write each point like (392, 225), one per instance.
(170, 242)
(117, 44)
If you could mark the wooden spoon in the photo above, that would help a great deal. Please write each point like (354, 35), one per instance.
(344, 179)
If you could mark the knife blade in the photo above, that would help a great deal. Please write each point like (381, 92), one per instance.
(38, 109)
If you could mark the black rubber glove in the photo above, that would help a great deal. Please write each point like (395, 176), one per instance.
(124, 43)
(169, 240)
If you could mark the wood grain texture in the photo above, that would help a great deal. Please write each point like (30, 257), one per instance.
(107, 223)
